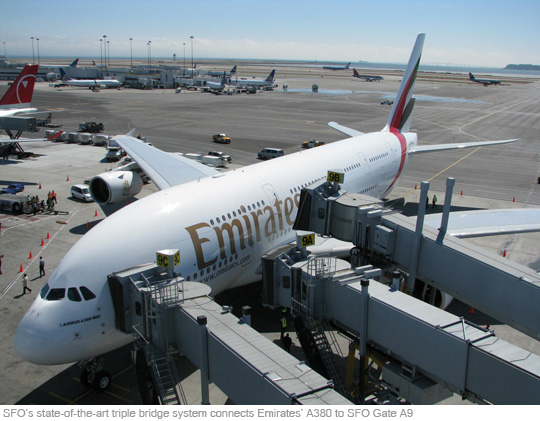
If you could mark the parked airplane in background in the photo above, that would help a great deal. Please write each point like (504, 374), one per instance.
(214, 73)
(74, 63)
(221, 232)
(256, 83)
(18, 97)
(101, 66)
(485, 82)
(93, 84)
(337, 67)
(368, 78)
(218, 86)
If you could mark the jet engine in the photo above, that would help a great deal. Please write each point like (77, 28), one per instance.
(115, 186)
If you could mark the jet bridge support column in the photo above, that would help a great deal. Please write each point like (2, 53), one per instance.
(202, 322)
(364, 298)
(446, 210)
(422, 205)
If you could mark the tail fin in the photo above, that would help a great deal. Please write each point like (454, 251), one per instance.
(471, 76)
(75, 62)
(270, 77)
(63, 75)
(233, 70)
(400, 117)
(355, 73)
(21, 90)
(348, 64)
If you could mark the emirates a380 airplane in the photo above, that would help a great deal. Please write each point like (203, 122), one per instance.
(222, 223)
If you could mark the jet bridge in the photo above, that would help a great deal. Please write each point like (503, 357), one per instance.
(503, 289)
(422, 353)
(169, 316)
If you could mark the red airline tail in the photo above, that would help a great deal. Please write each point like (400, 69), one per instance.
(20, 92)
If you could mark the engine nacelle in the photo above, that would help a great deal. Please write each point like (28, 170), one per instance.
(115, 186)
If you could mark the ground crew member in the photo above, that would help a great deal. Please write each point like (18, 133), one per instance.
(41, 266)
(434, 200)
(283, 322)
(25, 284)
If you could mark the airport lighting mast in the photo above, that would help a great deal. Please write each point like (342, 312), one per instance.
(101, 52)
(37, 40)
(192, 68)
(105, 48)
(131, 52)
(33, 56)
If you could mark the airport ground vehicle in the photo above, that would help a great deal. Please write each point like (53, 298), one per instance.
(81, 192)
(115, 154)
(213, 161)
(12, 188)
(387, 102)
(16, 203)
(221, 138)
(222, 155)
(312, 143)
(269, 153)
(90, 127)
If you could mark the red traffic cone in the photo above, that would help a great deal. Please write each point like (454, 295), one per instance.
(461, 193)
(30, 255)
(67, 179)
(504, 253)
(42, 242)
(48, 236)
(96, 214)
(514, 199)
(21, 269)
(40, 186)
(415, 186)
(87, 224)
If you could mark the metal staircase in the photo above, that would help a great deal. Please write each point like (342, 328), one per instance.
(320, 329)
(166, 381)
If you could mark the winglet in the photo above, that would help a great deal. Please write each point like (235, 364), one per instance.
(400, 117)
(21, 90)
(131, 132)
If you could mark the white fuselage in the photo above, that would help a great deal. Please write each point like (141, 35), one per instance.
(94, 83)
(222, 225)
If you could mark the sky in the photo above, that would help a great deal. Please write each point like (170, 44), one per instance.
(490, 33)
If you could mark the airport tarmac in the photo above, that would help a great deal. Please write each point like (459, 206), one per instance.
(489, 177)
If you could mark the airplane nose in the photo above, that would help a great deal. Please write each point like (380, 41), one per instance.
(33, 339)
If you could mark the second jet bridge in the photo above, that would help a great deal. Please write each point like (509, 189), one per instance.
(496, 286)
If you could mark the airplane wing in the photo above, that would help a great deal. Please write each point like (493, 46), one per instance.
(164, 169)
(433, 148)
(483, 223)
(343, 129)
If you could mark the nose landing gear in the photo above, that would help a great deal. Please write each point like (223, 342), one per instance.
(94, 376)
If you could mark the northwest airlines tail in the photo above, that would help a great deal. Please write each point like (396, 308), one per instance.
(19, 94)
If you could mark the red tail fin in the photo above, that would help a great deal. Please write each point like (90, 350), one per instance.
(20, 92)
(56, 135)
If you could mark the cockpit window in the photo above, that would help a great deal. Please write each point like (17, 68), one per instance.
(56, 294)
(87, 294)
(74, 295)
(44, 291)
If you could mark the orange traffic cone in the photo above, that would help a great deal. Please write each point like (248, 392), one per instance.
(40, 186)
(96, 214)
(461, 193)
(21, 269)
(48, 236)
(67, 179)
(30, 255)
(87, 224)
(504, 253)
(42, 242)
(415, 186)
(514, 199)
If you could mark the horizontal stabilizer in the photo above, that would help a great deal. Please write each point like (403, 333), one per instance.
(346, 130)
(433, 148)
(483, 223)
(164, 169)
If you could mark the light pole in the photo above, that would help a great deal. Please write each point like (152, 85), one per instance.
(184, 56)
(33, 56)
(131, 48)
(101, 52)
(108, 53)
(37, 39)
(174, 58)
(105, 48)
(5, 53)
(150, 54)
(192, 68)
